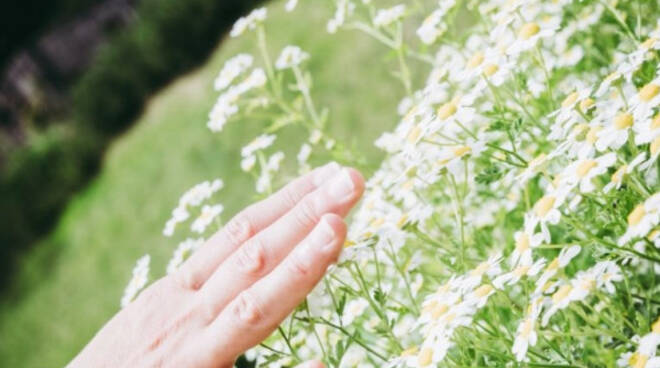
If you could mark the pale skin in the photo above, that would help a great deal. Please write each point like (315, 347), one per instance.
(235, 290)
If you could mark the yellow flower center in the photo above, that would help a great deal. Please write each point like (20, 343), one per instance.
(556, 181)
(520, 271)
(570, 100)
(443, 288)
(522, 243)
(528, 30)
(411, 112)
(562, 293)
(656, 122)
(461, 150)
(425, 357)
(584, 167)
(655, 145)
(592, 135)
(648, 43)
(655, 327)
(429, 307)
(586, 104)
(544, 205)
(618, 174)
(547, 286)
(588, 283)
(439, 310)
(483, 290)
(410, 351)
(579, 129)
(476, 60)
(447, 110)
(636, 215)
(402, 220)
(377, 222)
(480, 270)
(538, 160)
(553, 265)
(649, 91)
(527, 327)
(414, 133)
(623, 121)
(491, 69)
(638, 360)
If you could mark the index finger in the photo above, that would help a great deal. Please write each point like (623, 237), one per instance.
(199, 267)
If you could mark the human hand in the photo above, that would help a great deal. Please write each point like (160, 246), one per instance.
(236, 289)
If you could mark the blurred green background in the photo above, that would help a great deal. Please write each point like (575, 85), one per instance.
(86, 191)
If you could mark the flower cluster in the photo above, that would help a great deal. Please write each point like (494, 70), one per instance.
(515, 219)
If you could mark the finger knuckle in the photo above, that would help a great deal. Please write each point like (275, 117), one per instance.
(296, 267)
(291, 195)
(239, 229)
(247, 308)
(251, 257)
(306, 214)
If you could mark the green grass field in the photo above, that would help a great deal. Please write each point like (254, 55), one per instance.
(71, 283)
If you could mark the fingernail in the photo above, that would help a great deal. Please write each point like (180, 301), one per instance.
(321, 240)
(325, 173)
(323, 237)
(341, 185)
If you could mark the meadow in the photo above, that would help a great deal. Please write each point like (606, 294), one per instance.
(71, 282)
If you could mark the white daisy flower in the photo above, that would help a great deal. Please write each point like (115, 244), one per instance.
(291, 56)
(290, 5)
(353, 309)
(612, 79)
(642, 219)
(525, 337)
(582, 172)
(248, 22)
(646, 99)
(617, 178)
(344, 9)
(511, 278)
(385, 17)
(259, 143)
(529, 34)
(232, 69)
(562, 260)
(208, 214)
(615, 134)
(184, 250)
(138, 280)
